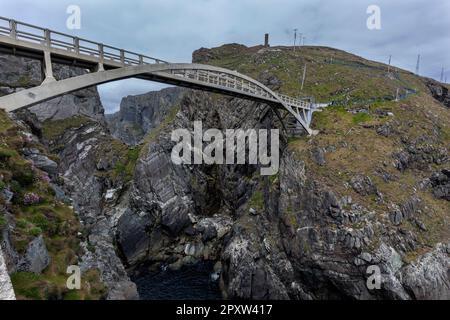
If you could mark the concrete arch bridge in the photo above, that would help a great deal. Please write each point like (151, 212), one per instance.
(112, 64)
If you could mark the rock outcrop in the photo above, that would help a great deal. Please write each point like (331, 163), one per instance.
(139, 114)
(89, 160)
(439, 92)
(36, 258)
(18, 73)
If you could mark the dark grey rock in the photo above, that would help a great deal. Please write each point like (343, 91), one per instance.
(318, 155)
(439, 92)
(36, 258)
(363, 185)
(440, 183)
(209, 233)
(132, 235)
(41, 161)
(387, 129)
(7, 195)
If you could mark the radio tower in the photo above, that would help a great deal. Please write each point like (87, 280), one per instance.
(418, 65)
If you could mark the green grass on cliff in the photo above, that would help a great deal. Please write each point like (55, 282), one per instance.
(55, 221)
(332, 75)
(55, 129)
(363, 94)
(154, 133)
(354, 147)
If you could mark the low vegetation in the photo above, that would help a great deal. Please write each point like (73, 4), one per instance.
(34, 211)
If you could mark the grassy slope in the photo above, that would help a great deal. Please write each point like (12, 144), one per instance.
(356, 84)
(54, 220)
(331, 74)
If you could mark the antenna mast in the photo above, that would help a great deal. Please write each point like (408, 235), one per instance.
(418, 65)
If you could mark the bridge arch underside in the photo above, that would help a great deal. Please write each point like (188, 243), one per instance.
(195, 76)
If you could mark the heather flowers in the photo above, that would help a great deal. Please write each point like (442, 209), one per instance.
(31, 198)
(45, 177)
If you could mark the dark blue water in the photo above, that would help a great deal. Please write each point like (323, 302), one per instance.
(188, 283)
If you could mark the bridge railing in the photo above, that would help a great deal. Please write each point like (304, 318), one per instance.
(238, 83)
(294, 102)
(53, 39)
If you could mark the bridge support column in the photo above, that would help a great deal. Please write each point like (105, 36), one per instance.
(48, 69)
(100, 67)
(101, 56)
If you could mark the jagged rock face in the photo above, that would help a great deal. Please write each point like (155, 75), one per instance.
(301, 242)
(139, 114)
(41, 161)
(36, 257)
(18, 73)
(439, 92)
(440, 182)
(180, 214)
(86, 159)
(87, 153)
(83, 102)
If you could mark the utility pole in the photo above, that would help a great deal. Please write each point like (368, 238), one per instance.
(442, 74)
(418, 65)
(304, 77)
(295, 37)
(389, 65)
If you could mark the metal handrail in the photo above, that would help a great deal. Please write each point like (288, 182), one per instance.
(124, 56)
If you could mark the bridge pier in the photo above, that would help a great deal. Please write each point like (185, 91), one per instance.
(48, 69)
(100, 67)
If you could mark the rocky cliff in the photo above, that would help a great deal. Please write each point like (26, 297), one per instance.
(139, 114)
(370, 190)
(58, 170)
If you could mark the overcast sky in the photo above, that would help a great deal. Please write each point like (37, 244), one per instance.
(172, 29)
